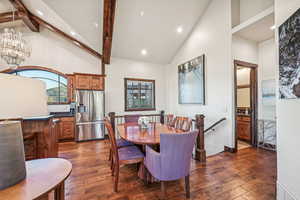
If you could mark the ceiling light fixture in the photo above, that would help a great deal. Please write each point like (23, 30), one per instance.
(144, 52)
(179, 29)
(142, 13)
(40, 12)
(273, 27)
(73, 33)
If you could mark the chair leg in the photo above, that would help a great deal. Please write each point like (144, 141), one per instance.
(110, 155)
(163, 189)
(112, 166)
(111, 163)
(116, 177)
(187, 186)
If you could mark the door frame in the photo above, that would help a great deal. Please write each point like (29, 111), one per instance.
(253, 100)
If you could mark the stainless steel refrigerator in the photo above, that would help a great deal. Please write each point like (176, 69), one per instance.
(89, 114)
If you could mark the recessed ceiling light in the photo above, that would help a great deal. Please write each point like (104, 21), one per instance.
(40, 12)
(144, 52)
(273, 27)
(96, 24)
(73, 33)
(179, 29)
(142, 13)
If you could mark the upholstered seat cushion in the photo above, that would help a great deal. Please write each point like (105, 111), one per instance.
(130, 153)
(123, 143)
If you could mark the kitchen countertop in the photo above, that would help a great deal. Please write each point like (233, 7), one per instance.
(62, 114)
(45, 117)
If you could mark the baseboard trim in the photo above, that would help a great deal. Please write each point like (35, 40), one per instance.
(229, 149)
(283, 193)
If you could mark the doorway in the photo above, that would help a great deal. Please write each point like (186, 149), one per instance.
(245, 84)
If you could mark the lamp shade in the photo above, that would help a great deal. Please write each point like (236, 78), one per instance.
(12, 159)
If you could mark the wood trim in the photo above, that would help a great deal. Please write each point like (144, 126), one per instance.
(8, 17)
(243, 86)
(67, 37)
(254, 100)
(25, 15)
(125, 95)
(34, 68)
(109, 9)
(229, 149)
(86, 74)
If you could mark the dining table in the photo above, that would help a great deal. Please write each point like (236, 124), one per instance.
(134, 133)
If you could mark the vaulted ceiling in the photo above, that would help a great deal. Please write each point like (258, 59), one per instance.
(148, 25)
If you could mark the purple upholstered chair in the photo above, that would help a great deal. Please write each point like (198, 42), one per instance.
(173, 161)
(131, 118)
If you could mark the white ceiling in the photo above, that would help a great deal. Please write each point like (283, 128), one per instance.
(155, 31)
(5, 6)
(259, 31)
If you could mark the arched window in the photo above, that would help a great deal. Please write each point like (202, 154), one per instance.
(56, 82)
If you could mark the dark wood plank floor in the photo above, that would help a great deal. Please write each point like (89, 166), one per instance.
(249, 174)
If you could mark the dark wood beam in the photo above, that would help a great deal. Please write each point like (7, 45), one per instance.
(25, 15)
(8, 17)
(108, 27)
(66, 36)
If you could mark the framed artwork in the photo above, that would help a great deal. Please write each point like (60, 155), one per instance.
(139, 94)
(191, 81)
(289, 57)
(268, 92)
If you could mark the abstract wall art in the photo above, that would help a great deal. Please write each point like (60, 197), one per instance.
(191, 81)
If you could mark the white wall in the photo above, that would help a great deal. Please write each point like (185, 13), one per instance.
(22, 97)
(251, 8)
(215, 42)
(266, 71)
(244, 50)
(123, 68)
(288, 140)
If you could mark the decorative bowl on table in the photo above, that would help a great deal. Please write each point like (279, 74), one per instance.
(144, 122)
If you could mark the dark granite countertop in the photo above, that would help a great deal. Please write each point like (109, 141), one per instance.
(45, 117)
(62, 114)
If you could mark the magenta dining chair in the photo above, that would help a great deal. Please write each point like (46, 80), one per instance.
(131, 118)
(174, 160)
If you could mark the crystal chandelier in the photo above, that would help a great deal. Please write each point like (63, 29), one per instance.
(13, 48)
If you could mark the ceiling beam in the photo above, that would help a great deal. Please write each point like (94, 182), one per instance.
(108, 27)
(25, 15)
(66, 36)
(9, 17)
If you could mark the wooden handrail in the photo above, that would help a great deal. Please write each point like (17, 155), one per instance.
(215, 124)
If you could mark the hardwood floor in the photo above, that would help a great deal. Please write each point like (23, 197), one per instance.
(249, 174)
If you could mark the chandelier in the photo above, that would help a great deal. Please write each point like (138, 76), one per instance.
(13, 48)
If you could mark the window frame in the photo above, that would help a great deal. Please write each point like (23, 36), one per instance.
(26, 68)
(126, 90)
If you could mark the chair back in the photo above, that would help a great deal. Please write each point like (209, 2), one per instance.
(187, 125)
(176, 153)
(180, 121)
(112, 139)
(131, 118)
(169, 119)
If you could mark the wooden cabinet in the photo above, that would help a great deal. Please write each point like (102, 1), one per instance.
(89, 82)
(244, 128)
(71, 87)
(67, 129)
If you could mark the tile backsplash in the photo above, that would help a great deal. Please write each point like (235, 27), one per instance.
(59, 108)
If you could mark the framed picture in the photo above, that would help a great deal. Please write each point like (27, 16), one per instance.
(191, 81)
(139, 94)
(289, 57)
(268, 92)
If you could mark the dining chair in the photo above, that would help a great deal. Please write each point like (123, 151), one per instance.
(169, 119)
(187, 125)
(180, 122)
(174, 160)
(120, 143)
(121, 156)
(131, 118)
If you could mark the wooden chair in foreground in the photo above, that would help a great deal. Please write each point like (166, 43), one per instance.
(121, 156)
(174, 160)
(182, 123)
(169, 119)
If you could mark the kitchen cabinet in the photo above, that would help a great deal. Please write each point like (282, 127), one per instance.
(244, 128)
(89, 81)
(67, 129)
(71, 87)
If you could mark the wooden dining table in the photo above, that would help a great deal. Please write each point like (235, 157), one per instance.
(132, 132)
